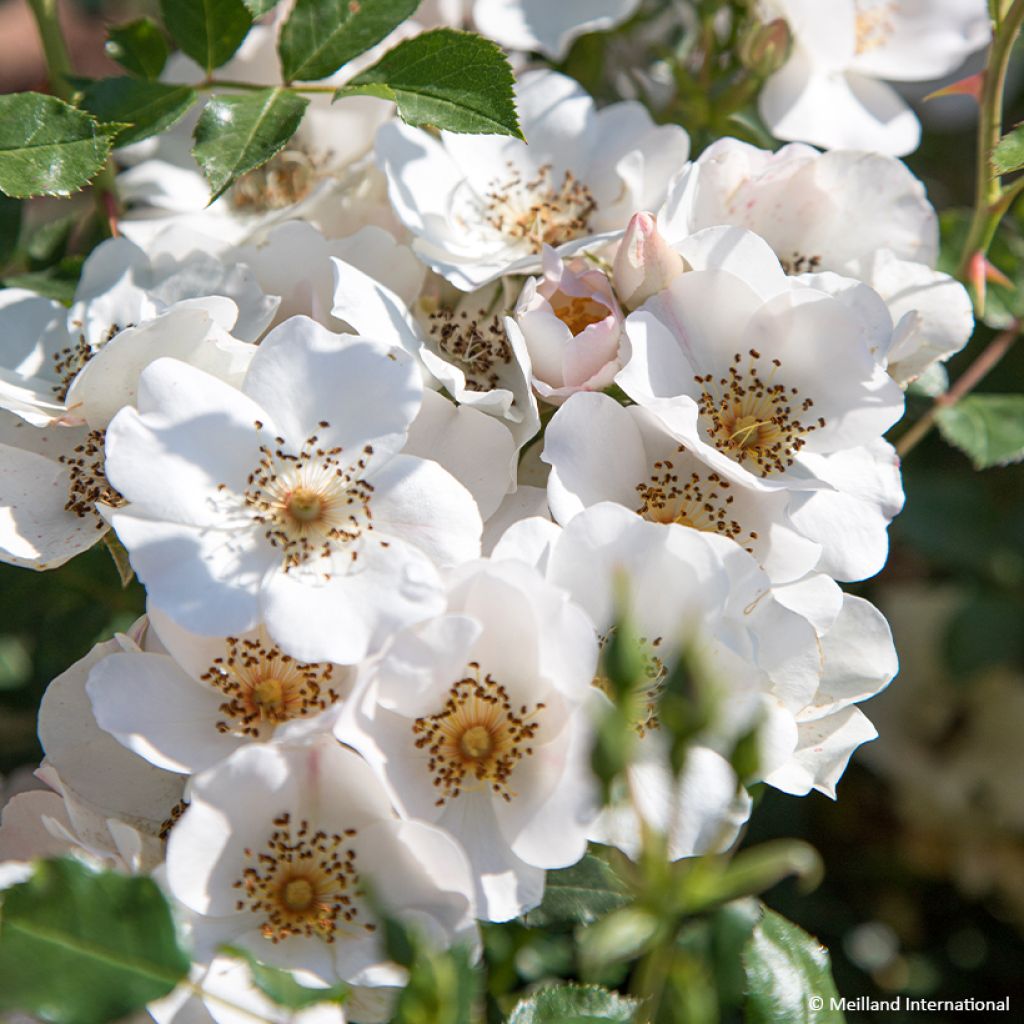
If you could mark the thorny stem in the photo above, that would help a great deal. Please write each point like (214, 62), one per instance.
(58, 65)
(991, 202)
(58, 62)
(988, 206)
(965, 383)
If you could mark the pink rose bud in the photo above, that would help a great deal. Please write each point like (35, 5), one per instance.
(571, 324)
(645, 263)
(765, 47)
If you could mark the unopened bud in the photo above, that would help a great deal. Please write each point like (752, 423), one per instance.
(764, 47)
(645, 263)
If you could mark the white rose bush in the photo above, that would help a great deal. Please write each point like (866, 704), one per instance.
(485, 453)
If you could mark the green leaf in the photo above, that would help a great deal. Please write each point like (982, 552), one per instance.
(581, 894)
(84, 947)
(574, 1004)
(442, 984)
(139, 47)
(1008, 156)
(52, 283)
(281, 987)
(48, 244)
(48, 148)
(705, 883)
(209, 31)
(322, 35)
(147, 107)
(451, 80)
(729, 930)
(789, 979)
(257, 8)
(237, 134)
(623, 935)
(987, 428)
(10, 227)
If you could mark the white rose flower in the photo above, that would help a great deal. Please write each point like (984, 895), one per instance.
(303, 514)
(480, 207)
(480, 721)
(792, 661)
(118, 807)
(600, 451)
(466, 345)
(278, 847)
(862, 215)
(774, 384)
(830, 91)
(197, 699)
(293, 260)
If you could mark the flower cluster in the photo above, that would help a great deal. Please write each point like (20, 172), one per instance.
(388, 431)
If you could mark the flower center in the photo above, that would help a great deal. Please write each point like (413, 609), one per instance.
(172, 819)
(268, 694)
(477, 344)
(304, 505)
(265, 686)
(298, 894)
(874, 24)
(752, 419)
(88, 484)
(303, 882)
(577, 312)
(283, 180)
(312, 504)
(476, 743)
(477, 739)
(538, 211)
(797, 263)
(699, 500)
(68, 362)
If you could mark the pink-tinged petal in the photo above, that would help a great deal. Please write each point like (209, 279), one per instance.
(824, 748)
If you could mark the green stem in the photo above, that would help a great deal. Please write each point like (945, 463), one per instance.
(988, 188)
(226, 83)
(965, 384)
(58, 65)
(58, 62)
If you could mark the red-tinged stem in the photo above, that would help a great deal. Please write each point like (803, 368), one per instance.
(965, 384)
